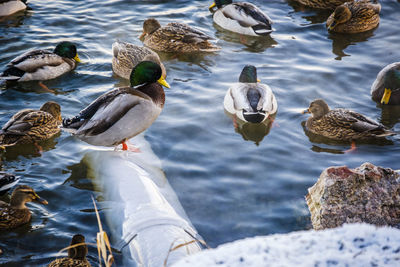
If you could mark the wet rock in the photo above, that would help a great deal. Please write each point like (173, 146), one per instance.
(368, 194)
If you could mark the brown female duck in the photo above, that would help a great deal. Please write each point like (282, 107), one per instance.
(175, 37)
(342, 124)
(76, 255)
(353, 17)
(16, 213)
(322, 4)
(32, 126)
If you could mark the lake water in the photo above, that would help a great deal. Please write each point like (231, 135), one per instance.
(232, 184)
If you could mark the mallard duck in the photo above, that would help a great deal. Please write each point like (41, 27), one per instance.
(32, 126)
(76, 255)
(342, 124)
(353, 17)
(322, 4)
(175, 37)
(16, 213)
(122, 113)
(126, 56)
(7, 180)
(250, 100)
(386, 87)
(241, 17)
(40, 65)
(8, 7)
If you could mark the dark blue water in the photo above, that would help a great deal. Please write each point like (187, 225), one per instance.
(232, 184)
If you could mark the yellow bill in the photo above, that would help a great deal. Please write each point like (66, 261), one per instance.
(162, 81)
(77, 59)
(142, 36)
(258, 80)
(386, 96)
(212, 6)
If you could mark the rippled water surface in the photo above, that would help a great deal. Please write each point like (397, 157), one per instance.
(232, 184)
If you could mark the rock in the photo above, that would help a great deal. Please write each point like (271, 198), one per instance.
(368, 194)
(349, 245)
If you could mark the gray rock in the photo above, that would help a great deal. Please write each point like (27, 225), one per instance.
(368, 194)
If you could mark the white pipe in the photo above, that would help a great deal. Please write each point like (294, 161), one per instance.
(144, 210)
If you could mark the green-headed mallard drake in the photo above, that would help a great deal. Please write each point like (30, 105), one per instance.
(32, 126)
(40, 65)
(7, 180)
(322, 4)
(16, 213)
(250, 100)
(241, 17)
(8, 7)
(386, 87)
(342, 124)
(126, 56)
(353, 17)
(76, 255)
(175, 37)
(122, 113)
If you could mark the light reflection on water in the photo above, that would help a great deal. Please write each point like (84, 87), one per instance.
(229, 187)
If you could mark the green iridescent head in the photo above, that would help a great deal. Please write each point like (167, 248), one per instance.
(248, 74)
(68, 50)
(147, 72)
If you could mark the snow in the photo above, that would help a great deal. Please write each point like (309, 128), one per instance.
(349, 245)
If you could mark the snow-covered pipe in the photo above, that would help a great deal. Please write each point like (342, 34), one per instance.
(142, 207)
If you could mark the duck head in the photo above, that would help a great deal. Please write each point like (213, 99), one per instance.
(341, 15)
(78, 252)
(147, 72)
(23, 194)
(53, 108)
(150, 26)
(391, 84)
(248, 75)
(68, 50)
(317, 108)
(219, 4)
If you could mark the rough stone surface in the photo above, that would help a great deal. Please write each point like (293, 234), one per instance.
(353, 245)
(368, 194)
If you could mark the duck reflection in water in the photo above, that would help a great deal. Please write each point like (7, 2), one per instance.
(254, 132)
(340, 41)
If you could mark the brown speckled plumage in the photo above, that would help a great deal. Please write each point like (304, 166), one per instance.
(176, 37)
(353, 17)
(76, 255)
(342, 124)
(322, 4)
(31, 126)
(16, 213)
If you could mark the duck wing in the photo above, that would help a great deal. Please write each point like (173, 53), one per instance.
(185, 33)
(35, 59)
(267, 102)
(353, 120)
(105, 111)
(25, 120)
(244, 96)
(246, 14)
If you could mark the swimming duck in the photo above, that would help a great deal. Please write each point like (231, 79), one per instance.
(353, 17)
(32, 126)
(250, 100)
(8, 7)
(76, 255)
(342, 124)
(7, 180)
(175, 37)
(16, 213)
(122, 113)
(322, 4)
(40, 65)
(386, 87)
(126, 56)
(241, 17)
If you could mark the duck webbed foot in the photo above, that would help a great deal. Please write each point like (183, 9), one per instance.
(126, 146)
(352, 149)
(46, 88)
